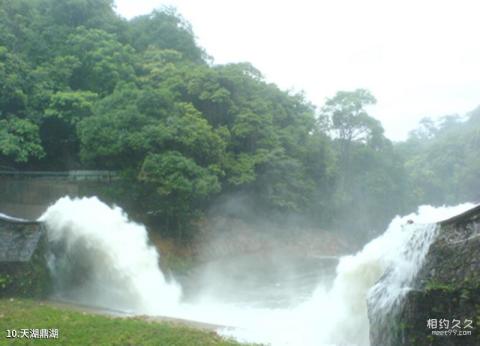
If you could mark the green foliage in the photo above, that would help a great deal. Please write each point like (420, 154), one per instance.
(165, 29)
(15, 83)
(346, 111)
(19, 139)
(240, 168)
(435, 285)
(444, 151)
(173, 173)
(71, 106)
(83, 88)
(74, 13)
(371, 177)
(194, 136)
(283, 182)
(104, 61)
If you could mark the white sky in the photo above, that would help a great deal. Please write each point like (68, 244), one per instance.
(419, 58)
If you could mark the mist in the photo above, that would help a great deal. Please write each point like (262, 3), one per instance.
(268, 298)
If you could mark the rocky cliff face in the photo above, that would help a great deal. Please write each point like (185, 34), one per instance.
(23, 267)
(444, 306)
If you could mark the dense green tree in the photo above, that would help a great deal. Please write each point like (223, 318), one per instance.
(71, 106)
(16, 32)
(371, 181)
(64, 111)
(19, 140)
(349, 121)
(75, 13)
(83, 88)
(165, 29)
(179, 182)
(112, 138)
(14, 74)
(441, 157)
(104, 61)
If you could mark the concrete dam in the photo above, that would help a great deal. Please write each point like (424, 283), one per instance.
(27, 194)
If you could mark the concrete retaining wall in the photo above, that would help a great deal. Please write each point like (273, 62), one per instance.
(28, 194)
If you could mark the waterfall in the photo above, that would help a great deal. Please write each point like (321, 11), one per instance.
(382, 272)
(99, 257)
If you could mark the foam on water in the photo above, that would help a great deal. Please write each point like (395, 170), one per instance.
(100, 257)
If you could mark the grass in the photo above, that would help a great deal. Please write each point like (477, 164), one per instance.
(434, 285)
(79, 328)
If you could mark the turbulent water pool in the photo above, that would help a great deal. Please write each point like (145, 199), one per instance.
(260, 280)
(100, 258)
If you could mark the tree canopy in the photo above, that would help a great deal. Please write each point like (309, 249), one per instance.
(83, 88)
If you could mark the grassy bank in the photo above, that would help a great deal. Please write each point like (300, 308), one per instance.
(79, 328)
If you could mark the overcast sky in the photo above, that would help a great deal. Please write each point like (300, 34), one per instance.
(419, 58)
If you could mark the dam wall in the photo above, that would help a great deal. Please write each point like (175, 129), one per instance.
(28, 194)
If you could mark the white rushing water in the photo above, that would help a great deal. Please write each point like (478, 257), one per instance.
(109, 262)
(8, 217)
(101, 258)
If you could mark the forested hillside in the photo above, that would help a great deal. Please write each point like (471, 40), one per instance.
(83, 88)
(442, 158)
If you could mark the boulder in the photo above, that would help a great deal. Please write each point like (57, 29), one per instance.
(23, 258)
(443, 308)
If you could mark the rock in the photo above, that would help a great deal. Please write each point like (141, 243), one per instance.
(446, 299)
(23, 263)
